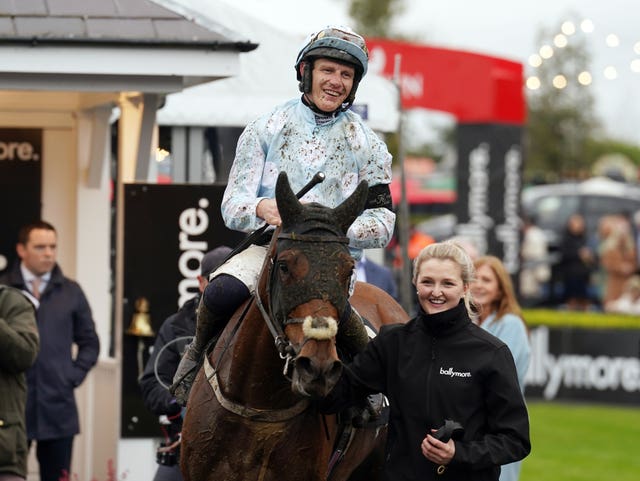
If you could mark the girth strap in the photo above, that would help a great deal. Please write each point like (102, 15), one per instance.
(341, 447)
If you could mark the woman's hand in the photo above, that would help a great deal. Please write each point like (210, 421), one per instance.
(436, 451)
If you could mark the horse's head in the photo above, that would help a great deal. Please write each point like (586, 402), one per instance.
(309, 285)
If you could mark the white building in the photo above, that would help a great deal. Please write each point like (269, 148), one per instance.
(67, 69)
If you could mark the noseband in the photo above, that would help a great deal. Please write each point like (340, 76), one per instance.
(276, 319)
(286, 350)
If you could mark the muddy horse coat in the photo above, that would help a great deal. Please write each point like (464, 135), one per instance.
(251, 415)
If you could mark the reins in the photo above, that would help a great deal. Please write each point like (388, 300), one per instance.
(284, 347)
(261, 415)
(286, 350)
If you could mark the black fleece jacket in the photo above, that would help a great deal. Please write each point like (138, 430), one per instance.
(175, 333)
(438, 367)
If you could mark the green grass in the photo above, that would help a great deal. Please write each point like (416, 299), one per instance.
(593, 320)
(582, 442)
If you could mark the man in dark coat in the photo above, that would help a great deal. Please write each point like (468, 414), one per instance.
(174, 335)
(18, 350)
(378, 275)
(64, 319)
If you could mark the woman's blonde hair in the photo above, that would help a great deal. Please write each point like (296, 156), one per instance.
(449, 250)
(508, 303)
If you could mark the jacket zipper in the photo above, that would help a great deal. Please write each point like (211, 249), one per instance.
(430, 372)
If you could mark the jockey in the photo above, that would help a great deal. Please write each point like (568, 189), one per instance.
(316, 132)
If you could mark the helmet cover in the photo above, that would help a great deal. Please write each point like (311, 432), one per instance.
(339, 43)
(336, 43)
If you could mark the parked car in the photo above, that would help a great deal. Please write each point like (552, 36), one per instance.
(440, 227)
(550, 206)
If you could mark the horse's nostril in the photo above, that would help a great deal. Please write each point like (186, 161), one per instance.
(335, 370)
(304, 364)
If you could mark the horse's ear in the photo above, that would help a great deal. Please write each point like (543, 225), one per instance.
(352, 207)
(288, 204)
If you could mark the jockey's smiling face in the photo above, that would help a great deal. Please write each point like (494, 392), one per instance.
(331, 84)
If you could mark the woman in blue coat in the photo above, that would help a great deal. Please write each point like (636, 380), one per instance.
(499, 313)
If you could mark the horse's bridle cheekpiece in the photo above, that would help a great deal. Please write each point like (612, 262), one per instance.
(305, 229)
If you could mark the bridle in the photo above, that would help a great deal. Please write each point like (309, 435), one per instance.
(276, 323)
(299, 224)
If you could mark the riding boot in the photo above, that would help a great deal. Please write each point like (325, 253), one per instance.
(207, 325)
(221, 297)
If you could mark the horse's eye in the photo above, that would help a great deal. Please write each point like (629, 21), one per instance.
(283, 267)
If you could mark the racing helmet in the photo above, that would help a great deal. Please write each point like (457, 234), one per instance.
(336, 43)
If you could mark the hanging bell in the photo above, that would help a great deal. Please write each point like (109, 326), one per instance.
(141, 320)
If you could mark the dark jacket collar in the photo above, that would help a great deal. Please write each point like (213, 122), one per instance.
(14, 276)
(445, 322)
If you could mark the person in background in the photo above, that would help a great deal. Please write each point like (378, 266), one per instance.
(18, 351)
(635, 234)
(499, 313)
(69, 348)
(316, 132)
(376, 274)
(173, 336)
(441, 366)
(577, 261)
(535, 273)
(629, 300)
(617, 254)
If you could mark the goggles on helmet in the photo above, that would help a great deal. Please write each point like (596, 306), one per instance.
(338, 43)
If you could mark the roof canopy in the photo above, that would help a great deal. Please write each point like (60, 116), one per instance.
(110, 45)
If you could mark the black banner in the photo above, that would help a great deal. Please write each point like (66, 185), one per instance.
(594, 365)
(20, 186)
(489, 182)
(167, 230)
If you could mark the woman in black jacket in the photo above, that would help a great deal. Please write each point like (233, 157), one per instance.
(437, 367)
(576, 263)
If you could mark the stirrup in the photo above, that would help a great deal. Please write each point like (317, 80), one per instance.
(182, 383)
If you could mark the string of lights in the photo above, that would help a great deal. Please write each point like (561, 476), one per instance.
(627, 53)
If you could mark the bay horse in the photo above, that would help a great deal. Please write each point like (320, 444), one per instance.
(250, 415)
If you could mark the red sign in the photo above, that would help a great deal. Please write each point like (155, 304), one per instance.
(473, 87)
(421, 195)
